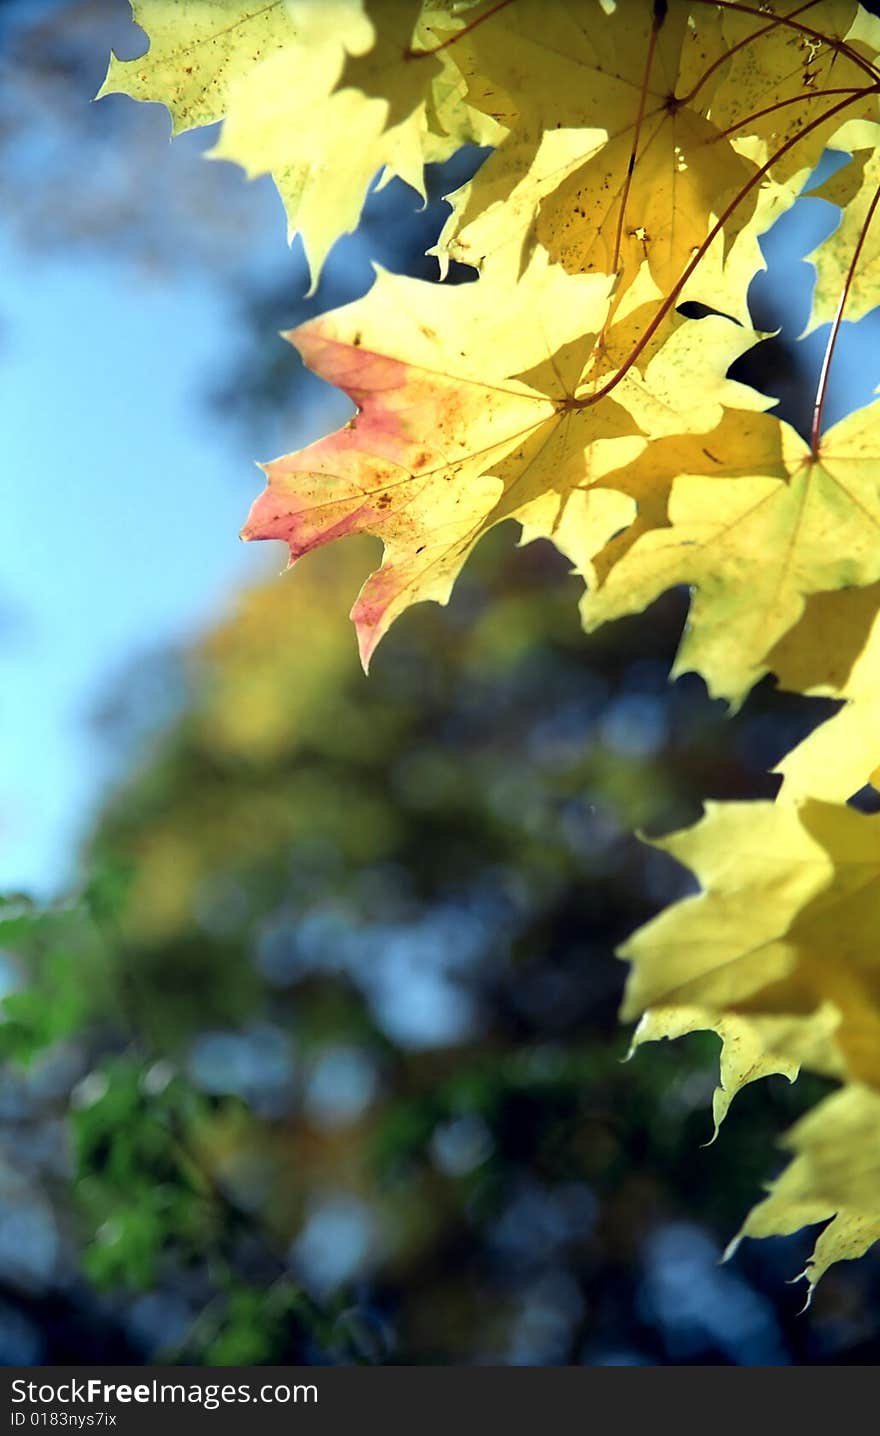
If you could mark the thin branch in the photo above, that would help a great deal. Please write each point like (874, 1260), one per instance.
(637, 130)
(792, 100)
(822, 386)
(472, 25)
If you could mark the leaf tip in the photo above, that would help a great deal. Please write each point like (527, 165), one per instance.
(731, 1249)
(368, 636)
(712, 1140)
(106, 86)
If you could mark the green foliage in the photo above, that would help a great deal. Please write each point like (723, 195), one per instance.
(57, 944)
(138, 1187)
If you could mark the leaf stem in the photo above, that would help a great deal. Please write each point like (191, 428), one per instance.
(643, 98)
(411, 54)
(822, 386)
(792, 100)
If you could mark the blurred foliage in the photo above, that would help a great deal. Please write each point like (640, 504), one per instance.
(96, 177)
(347, 1079)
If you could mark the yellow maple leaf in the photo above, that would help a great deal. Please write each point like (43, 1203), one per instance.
(751, 1047)
(833, 944)
(788, 922)
(834, 1173)
(477, 405)
(754, 540)
(578, 96)
(657, 133)
(855, 188)
(649, 478)
(792, 75)
(757, 867)
(318, 96)
(834, 652)
(198, 50)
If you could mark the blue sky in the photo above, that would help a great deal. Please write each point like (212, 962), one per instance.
(125, 490)
(122, 532)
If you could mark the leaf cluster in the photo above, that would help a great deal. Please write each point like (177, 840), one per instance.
(639, 152)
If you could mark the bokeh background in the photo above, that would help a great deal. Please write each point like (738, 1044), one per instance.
(309, 1041)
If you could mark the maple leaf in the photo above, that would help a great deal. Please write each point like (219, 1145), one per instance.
(855, 188)
(755, 529)
(832, 944)
(293, 82)
(477, 405)
(791, 75)
(198, 50)
(788, 921)
(751, 1047)
(579, 94)
(834, 1173)
(663, 133)
(834, 652)
(434, 375)
(757, 867)
(648, 479)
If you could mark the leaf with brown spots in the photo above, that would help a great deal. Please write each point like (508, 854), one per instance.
(294, 82)
(479, 404)
(652, 132)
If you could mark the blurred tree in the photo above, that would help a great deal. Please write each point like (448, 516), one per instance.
(348, 1080)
